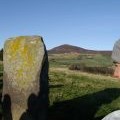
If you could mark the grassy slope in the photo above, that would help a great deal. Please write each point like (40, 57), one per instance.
(76, 95)
(82, 96)
(64, 60)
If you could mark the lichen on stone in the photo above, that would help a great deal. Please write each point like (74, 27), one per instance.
(23, 57)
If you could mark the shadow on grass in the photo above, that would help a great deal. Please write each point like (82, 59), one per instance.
(83, 108)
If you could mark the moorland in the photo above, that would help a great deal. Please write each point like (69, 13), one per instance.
(80, 93)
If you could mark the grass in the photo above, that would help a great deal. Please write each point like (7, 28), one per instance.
(82, 96)
(90, 60)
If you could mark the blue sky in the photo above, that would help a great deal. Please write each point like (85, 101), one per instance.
(91, 24)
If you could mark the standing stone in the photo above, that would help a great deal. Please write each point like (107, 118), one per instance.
(25, 82)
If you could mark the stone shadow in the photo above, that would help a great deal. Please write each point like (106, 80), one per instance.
(1, 74)
(6, 105)
(1, 84)
(84, 107)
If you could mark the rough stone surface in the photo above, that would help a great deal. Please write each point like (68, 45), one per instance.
(25, 82)
(113, 116)
(116, 51)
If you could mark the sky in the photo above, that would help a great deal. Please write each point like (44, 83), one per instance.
(91, 24)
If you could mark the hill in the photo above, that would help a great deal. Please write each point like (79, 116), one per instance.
(74, 49)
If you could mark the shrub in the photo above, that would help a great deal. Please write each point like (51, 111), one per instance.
(99, 70)
(95, 70)
(77, 66)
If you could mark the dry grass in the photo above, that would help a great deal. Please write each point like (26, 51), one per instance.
(79, 73)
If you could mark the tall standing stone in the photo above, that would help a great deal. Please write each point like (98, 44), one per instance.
(25, 82)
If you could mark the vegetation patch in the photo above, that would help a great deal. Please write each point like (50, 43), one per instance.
(89, 60)
(95, 70)
(82, 96)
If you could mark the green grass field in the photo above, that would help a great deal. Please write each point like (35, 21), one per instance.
(82, 96)
(76, 95)
(90, 60)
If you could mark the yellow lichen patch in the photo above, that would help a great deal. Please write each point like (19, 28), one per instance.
(13, 46)
(26, 54)
(19, 73)
(24, 73)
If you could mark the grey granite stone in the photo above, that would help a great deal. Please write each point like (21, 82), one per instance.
(25, 82)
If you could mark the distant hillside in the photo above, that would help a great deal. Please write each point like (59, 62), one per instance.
(74, 49)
